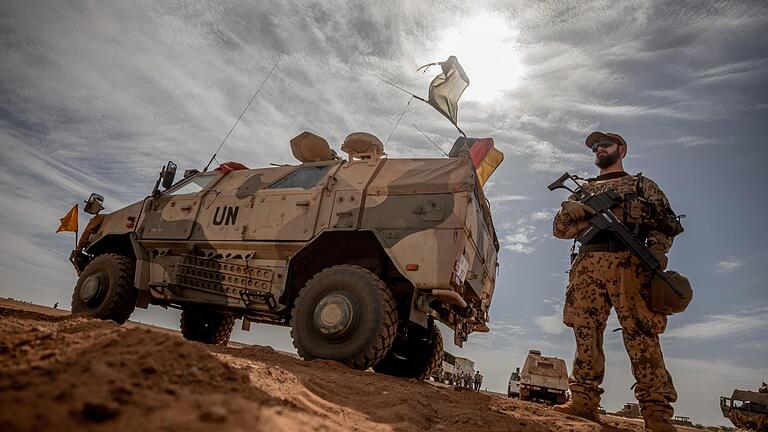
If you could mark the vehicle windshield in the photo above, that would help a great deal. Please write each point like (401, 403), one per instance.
(194, 185)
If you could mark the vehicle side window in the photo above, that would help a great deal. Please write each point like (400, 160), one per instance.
(195, 185)
(302, 177)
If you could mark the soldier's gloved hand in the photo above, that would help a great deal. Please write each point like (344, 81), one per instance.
(576, 210)
(660, 254)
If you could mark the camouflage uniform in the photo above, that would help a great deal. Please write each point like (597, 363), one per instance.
(599, 280)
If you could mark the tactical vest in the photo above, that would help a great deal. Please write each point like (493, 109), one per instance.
(638, 213)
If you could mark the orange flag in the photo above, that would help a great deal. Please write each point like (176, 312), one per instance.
(69, 221)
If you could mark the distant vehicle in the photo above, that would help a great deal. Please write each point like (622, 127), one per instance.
(513, 388)
(359, 257)
(682, 421)
(465, 365)
(453, 368)
(446, 373)
(630, 410)
(747, 409)
(544, 379)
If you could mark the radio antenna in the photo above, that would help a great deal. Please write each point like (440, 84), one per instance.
(241, 115)
(430, 140)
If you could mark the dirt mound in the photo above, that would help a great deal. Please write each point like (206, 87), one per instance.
(73, 373)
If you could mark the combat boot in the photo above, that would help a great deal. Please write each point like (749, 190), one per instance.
(657, 423)
(579, 408)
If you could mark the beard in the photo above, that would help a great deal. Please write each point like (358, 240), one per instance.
(605, 160)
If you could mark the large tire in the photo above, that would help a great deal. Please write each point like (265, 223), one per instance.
(105, 288)
(206, 326)
(414, 355)
(344, 313)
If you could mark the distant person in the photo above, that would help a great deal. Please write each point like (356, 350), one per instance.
(605, 274)
(478, 380)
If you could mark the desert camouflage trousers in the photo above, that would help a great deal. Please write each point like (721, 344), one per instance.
(597, 281)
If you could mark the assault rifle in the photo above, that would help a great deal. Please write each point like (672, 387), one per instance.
(605, 220)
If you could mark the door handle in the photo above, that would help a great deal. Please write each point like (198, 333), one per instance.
(187, 208)
(304, 203)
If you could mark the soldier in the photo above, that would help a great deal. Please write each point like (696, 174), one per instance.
(478, 380)
(606, 274)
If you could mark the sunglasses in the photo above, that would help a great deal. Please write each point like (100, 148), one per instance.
(602, 144)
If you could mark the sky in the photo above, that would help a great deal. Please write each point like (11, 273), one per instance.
(95, 96)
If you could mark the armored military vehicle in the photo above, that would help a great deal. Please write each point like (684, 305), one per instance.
(629, 410)
(543, 379)
(747, 409)
(359, 257)
(681, 421)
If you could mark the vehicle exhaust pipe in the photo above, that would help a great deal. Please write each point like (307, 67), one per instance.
(450, 295)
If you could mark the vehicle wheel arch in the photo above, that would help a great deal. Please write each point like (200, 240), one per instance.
(120, 244)
(362, 248)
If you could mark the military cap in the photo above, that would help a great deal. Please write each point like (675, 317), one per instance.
(597, 136)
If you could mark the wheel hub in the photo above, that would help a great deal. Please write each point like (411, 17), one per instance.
(333, 314)
(93, 288)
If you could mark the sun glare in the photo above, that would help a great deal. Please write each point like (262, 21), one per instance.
(486, 47)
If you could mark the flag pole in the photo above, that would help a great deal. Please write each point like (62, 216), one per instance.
(402, 89)
(77, 223)
(426, 102)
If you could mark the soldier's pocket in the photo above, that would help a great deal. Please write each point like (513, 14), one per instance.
(575, 266)
(633, 212)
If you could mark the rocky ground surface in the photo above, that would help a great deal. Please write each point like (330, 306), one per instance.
(63, 372)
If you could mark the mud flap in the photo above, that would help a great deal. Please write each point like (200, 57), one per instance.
(142, 300)
(141, 277)
(460, 333)
(417, 314)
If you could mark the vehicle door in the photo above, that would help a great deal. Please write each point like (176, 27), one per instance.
(287, 210)
(222, 215)
(171, 215)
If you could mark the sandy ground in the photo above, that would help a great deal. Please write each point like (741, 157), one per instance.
(63, 372)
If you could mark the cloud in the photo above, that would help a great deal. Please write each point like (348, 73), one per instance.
(742, 323)
(507, 329)
(544, 156)
(520, 239)
(498, 199)
(550, 324)
(543, 215)
(521, 236)
(729, 265)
